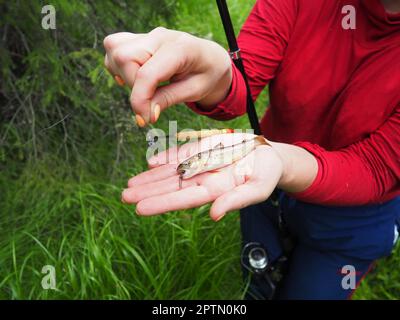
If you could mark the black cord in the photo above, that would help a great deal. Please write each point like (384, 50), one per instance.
(237, 60)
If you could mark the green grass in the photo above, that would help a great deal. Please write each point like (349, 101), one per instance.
(62, 206)
(101, 249)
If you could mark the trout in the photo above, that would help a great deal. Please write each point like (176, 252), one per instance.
(217, 157)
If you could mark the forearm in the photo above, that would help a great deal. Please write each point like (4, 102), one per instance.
(300, 167)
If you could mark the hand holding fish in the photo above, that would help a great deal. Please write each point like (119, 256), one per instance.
(249, 180)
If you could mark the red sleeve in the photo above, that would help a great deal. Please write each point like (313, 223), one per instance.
(262, 41)
(362, 173)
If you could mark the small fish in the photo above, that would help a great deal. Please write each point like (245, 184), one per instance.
(217, 157)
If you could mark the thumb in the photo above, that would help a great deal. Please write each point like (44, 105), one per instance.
(240, 197)
(185, 90)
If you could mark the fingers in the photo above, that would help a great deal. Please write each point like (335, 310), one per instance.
(256, 177)
(167, 61)
(184, 90)
(240, 197)
(126, 52)
(111, 44)
(187, 198)
(164, 157)
(156, 174)
(113, 40)
(138, 192)
(215, 182)
(125, 61)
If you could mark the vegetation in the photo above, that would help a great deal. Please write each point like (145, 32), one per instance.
(68, 144)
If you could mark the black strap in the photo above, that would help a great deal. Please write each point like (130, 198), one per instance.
(237, 60)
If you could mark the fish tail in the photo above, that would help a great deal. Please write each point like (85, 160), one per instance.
(260, 140)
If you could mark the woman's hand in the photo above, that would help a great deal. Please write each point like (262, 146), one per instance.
(248, 181)
(196, 69)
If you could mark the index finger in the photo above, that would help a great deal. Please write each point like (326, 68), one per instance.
(187, 198)
(155, 174)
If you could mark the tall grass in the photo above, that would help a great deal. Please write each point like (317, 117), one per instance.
(101, 249)
(60, 182)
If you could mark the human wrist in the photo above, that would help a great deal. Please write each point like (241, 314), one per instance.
(223, 84)
(299, 167)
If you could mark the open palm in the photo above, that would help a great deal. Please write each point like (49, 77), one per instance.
(248, 181)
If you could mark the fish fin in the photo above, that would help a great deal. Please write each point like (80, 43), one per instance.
(219, 146)
(260, 140)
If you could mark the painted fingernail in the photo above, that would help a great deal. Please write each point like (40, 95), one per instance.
(156, 112)
(140, 121)
(119, 80)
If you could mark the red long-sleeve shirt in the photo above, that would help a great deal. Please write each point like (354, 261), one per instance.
(333, 91)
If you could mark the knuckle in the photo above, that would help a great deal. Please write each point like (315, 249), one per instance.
(184, 46)
(159, 30)
(148, 74)
(168, 97)
(134, 196)
(136, 101)
(184, 38)
(142, 73)
(108, 42)
(195, 88)
(183, 43)
(119, 57)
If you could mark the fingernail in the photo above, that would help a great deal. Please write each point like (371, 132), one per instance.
(156, 112)
(119, 80)
(140, 121)
(220, 217)
(122, 195)
(137, 212)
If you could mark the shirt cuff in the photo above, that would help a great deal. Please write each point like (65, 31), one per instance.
(312, 193)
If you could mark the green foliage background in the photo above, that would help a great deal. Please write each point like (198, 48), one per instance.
(68, 143)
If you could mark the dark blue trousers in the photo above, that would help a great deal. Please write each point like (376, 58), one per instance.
(327, 241)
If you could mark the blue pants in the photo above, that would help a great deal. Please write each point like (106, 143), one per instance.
(327, 241)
